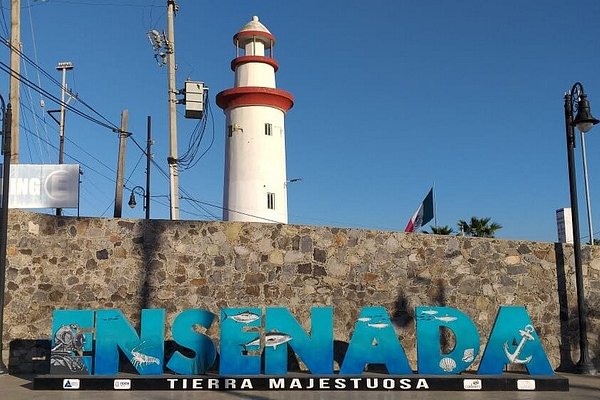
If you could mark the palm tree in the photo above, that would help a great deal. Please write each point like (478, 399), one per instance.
(479, 227)
(442, 230)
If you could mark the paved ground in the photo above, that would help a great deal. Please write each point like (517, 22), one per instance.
(18, 388)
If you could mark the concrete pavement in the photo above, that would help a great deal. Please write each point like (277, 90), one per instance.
(21, 388)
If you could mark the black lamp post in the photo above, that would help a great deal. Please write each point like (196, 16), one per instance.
(577, 99)
(132, 203)
(6, 143)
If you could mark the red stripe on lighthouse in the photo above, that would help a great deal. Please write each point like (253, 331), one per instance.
(255, 34)
(259, 59)
(255, 96)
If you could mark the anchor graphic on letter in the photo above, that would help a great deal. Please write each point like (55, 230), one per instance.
(526, 335)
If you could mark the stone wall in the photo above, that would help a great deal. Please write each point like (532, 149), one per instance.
(63, 262)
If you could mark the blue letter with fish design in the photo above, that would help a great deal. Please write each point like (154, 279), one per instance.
(430, 359)
(236, 341)
(374, 342)
(146, 352)
(316, 350)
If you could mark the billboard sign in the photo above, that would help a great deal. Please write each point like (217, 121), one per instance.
(44, 186)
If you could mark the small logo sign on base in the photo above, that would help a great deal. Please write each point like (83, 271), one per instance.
(70, 384)
(472, 384)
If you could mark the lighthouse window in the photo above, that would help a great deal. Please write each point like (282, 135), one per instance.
(268, 129)
(230, 130)
(271, 201)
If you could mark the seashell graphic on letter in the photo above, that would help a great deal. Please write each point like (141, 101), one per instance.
(468, 355)
(447, 364)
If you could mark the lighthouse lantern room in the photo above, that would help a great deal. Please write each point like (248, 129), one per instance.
(255, 173)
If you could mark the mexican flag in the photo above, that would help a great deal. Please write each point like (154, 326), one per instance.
(423, 215)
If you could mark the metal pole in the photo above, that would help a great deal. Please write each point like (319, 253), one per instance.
(6, 120)
(434, 206)
(148, 160)
(584, 366)
(121, 164)
(172, 159)
(64, 66)
(61, 125)
(15, 66)
(587, 189)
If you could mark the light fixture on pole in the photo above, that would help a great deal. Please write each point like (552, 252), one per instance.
(577, 99)
(132, 203)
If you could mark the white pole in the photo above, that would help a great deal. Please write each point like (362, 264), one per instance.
(173, 161)
(587, 189)
(64, 66)
(61, 125)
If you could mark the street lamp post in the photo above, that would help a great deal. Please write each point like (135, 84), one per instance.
(584, 122)
(132, 203)
(64, 67)
(6, 143)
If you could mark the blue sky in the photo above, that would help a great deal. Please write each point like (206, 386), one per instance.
(391, 97)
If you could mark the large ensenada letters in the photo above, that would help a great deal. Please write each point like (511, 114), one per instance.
(89, 342)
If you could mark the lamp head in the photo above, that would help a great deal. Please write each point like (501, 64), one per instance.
(584, 119)
(132, 202)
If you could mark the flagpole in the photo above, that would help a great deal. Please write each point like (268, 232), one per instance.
(434, 205)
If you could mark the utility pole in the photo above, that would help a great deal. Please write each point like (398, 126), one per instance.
(6, 144)
(148, 161)
(15, 66)
(172, 159)
(123, 134)
(64, 66)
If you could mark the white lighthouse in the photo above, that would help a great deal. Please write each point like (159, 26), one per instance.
(255, 178)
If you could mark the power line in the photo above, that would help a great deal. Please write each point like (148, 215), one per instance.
(68, 155)
(47, 141)
(28, 91)
(81, 3)
(196, 202)
(166, 176)
(231, 210)
(40, 90)
(189, 160)
(4, 24)
(24, 56)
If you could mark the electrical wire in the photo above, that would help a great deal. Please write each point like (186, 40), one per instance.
(39, 81)
(5, 41)
(166, 175)
(48, 143)
(4, 24)
(231, 210)
(81, 3)
(58, 101)
(198, 203)
(40, 90)
(195, 142)
(124, 184)
(189, 160)
(68, 155)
